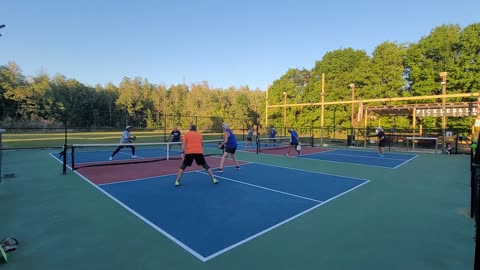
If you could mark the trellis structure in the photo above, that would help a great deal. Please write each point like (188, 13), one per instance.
(442, 109)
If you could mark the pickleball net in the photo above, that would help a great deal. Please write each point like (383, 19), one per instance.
(91, 155)
(272, 145)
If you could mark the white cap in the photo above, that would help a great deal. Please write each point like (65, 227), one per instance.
(224, 125)
(127, 127)
(379, 128)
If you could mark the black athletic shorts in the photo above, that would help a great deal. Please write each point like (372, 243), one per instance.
(230, 150)
(189, 158)
(382, 143)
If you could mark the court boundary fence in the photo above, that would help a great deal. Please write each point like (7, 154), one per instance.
(475, 201)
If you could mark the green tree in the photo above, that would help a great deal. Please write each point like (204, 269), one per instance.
(341, 68)
(12, 81)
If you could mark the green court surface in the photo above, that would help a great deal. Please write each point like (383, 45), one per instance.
(412, 217)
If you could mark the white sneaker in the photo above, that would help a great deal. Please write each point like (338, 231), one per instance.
(133, 156)
(110, 158)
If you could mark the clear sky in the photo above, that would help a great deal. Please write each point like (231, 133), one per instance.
(226, 43)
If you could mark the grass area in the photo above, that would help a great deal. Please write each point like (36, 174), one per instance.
(57, 139)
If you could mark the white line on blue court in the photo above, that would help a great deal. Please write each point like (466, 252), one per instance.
(320, 203)
(257, 186)
(302, 170)
(345, 162)
(204, 259)
(347, 155)
(141, 179)
(175, 240)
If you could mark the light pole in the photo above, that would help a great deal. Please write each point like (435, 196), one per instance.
(444, 92)
(284, 112)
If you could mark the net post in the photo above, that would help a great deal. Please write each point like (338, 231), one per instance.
(1, 151)
(472, 185)
(475, 204)
(64, 149)
(168, 150)
(64, 156)
(73, 157)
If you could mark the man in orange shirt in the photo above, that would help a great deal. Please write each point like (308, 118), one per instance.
(192, 149)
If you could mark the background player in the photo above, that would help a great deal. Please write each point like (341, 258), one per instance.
(294, 141)
(230, 145)
(175, 135)
(126, 138)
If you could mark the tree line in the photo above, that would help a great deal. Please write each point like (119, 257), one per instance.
(393, 70)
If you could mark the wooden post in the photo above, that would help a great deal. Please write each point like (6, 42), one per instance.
(285, 113)
(323, 101)
(352, 86)
(323, 109)
(266, 107)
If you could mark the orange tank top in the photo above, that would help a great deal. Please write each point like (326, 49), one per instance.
(193, 143)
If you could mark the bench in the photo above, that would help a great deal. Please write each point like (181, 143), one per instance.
(422, 141)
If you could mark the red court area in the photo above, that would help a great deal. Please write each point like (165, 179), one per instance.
(124, 172)
(293, 152)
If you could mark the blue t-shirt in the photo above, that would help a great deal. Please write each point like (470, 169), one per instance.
(232, 140)
(294, 137)
(176, 135)
(250, 133)
(273, 132)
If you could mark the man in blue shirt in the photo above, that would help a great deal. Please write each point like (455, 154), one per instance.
(273, 134)
(175, 135)
(230, 146)
(249, 137)
(294, 142)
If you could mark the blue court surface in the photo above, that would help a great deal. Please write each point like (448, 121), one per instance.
(360, 157)
(208, 220)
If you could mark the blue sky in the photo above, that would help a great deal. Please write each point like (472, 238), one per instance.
(226, 43)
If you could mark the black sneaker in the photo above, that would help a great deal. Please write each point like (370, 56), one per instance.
(237, 167)
(219, 170)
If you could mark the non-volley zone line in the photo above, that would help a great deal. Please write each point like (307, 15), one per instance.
(367, 158)
(245, 204)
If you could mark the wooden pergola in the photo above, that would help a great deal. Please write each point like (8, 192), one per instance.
(442, 109)
(456, 109)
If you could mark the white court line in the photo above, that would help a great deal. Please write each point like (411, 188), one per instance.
(204, 259)
(406, 161)
(260, 187)
(302, 170)
(358, 164)
(307, 156)
(175, 240)
(360, 156)
(140, 179)
(280, 223)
